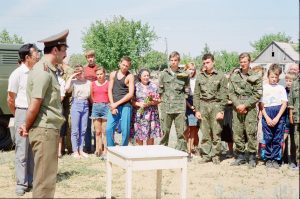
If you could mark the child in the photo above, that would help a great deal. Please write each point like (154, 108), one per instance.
(273, 105)
(80, 88)
(289, 78)
(99, 95)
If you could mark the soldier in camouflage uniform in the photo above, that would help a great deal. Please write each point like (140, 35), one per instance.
(209, 101)
(294, 107)
(244, 92)
(174, 89)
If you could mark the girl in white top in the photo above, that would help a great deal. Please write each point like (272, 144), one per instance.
(80, 88)
(273, 105)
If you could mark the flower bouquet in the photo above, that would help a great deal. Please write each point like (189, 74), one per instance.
(150, 98)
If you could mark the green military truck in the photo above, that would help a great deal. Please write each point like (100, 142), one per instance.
(8, 62)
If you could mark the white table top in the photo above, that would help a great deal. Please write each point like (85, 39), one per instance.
(148, 151)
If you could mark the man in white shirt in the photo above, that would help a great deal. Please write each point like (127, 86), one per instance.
(17, 103)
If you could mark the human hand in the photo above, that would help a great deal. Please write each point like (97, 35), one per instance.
(114, 111)
(113, 106)
(198, 115)
(275, 121)
(220, 115)
(22, 131)
(269, 121)
(242, 109)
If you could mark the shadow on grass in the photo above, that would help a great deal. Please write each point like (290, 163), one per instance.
(65, 175)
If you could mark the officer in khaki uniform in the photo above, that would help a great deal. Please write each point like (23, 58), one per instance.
(173, 89)
(294, 108)
(44, 116)
(209, 101)
(245, 90)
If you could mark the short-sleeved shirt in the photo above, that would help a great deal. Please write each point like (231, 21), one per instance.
(81, 89)
(273, 95)
(90, 73)
(43, 83)
(17, 83)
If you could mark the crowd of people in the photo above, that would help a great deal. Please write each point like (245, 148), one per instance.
(58, 107)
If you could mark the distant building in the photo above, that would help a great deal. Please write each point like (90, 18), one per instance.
(280, 53)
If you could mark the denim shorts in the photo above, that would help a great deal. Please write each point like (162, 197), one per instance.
(192, 120)
(99, 110)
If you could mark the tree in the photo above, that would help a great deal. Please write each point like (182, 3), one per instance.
(77, 59)
(155, 60)
(226, 61)
(7, 39)
(114, 39)
(265, 40)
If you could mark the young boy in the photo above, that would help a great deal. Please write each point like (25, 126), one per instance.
(273, 104)
(289, 78)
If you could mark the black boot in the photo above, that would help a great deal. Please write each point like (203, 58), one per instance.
(239, 160)
(252, 160)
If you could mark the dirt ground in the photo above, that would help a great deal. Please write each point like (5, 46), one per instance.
(86, 178)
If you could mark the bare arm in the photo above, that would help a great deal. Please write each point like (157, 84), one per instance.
(130, 93)
(11, 102)
(110, 86)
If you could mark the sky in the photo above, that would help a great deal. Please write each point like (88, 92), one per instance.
(181, 25)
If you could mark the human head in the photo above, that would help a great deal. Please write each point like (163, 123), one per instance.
(289, 78)
(294, 68)
(79, 69)
(191, 68)
(29, 54)
(245, 60)
(56, 47)
(174, 59)
(258, 69)
(125, 64)
(273, 73)
(90, 57)
(144, 76)
(208, 61)
(100, 73)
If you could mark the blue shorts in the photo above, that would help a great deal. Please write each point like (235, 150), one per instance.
(99, 110)
(192, 120)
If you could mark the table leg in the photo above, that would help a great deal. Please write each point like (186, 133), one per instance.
(158, 183)
(183, 180)
(128, 182)
(108, 178)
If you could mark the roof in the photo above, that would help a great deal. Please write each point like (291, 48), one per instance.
(286, 48)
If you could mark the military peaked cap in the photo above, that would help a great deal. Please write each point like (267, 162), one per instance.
(58, 39)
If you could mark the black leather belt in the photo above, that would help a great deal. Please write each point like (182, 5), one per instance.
(21, 108)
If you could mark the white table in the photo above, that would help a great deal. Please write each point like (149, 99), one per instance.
(153, 157)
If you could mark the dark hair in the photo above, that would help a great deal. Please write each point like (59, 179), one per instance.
(208, 56)
(25, 50)
(125, 58)
(48, 49)
(141, 72)
(243, 55)
(174, 54)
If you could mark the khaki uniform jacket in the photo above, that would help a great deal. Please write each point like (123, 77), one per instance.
(293, 98)
(245, 89)
(42, 83)
(173, 89)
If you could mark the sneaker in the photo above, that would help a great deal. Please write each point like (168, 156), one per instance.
(216, 160)
(292, 166)
(83, 154)
(76, 155)
(269, 164)
(20, 192)
(275, 164)
(103, 157)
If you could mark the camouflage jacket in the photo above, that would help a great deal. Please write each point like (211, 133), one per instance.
(210, 88)
(293, 102)
(245, 89)
(173, 89)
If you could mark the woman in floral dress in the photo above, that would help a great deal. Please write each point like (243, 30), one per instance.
(145, 120)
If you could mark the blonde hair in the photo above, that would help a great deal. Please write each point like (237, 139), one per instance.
(258, 69)
(188, 65)
(101, 68)
(275, 69)
(89, 53)
(291, 75)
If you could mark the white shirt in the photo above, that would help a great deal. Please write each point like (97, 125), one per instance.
(62, 84)
(192, 85)
(17, 83)
(273, 95)
(81, 89)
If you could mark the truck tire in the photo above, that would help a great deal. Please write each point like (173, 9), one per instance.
(5, 139)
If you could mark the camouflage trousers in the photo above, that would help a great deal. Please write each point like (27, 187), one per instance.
(294, 134)
(211, 130)
(180, 126)
(244, 127)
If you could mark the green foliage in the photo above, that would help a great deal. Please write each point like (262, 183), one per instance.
(154, 60)
(265, 40)
(77, 59)
(185, 59)
(114, 39)
(7, 39)
(226, 61)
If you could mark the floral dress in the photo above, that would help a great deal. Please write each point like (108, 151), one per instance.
(145, 124)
